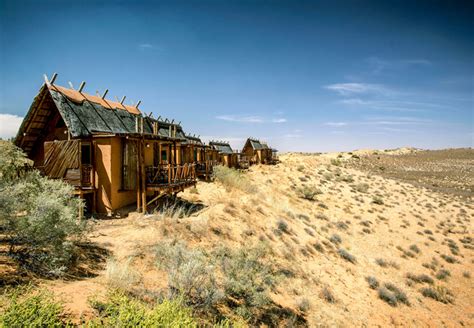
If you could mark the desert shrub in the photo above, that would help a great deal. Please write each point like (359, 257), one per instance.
(372, 281)
(399, 294)
(438, 293)
(420, 278)
(121, 310)
(38, 216)
(362, 187)
(300, 168)
(387, 296)
(348, 179)
(328, 295)
(377, 200)
(174, 210)
(415, 249)
(346, 255)
(303, 305)
(442, 274)
(121, 275)
(336, 162)
(392, 294)
(27, 308)
(189, 274)
(282, 226)
(247, 278)
(448, 258)
(335, 239)
(309, 192)
(466, 274)
(233, 179)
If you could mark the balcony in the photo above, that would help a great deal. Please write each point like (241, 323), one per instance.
(168, 175)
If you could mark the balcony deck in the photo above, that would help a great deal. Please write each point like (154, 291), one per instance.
(170, 178)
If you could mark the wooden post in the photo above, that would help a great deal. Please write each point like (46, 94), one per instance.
(143, 176)
(175, 153)
(137, 183)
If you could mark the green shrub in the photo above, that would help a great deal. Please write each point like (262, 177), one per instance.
(233, 179)
(443, 274)
(247, 278)
(27, 308)
(38, 216)
(120, 310)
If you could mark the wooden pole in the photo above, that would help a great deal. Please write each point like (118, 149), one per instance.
(137, 184)
(142, 160)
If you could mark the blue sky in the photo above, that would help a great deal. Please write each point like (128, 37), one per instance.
(304, 76)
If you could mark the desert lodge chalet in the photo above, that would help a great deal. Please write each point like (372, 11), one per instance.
(110, 152)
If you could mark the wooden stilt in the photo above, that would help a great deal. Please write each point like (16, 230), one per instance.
(143, 176)
(138, 184)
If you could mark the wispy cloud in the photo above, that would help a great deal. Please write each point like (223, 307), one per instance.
(250, 119)
(292, 135)
(9, 125)
(335, 124)
(382, 121)
(379, 65)
(145, 46)
(393, 105)
(242, 119)
(349, 89)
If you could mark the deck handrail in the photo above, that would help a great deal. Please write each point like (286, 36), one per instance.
(170, 173)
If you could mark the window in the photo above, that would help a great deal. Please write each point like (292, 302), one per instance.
(195, 155)
(164, 156)
(129, 165)
(86, 154)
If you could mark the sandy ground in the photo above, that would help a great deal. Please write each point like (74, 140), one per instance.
(410, 215)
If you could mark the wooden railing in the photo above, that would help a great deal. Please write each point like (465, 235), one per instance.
(205, 167)
(168, 174)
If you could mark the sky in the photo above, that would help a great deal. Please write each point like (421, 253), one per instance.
(302, 75)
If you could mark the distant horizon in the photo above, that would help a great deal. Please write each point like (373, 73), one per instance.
(303, 76)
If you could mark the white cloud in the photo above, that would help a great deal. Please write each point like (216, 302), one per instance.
(250, 119)
(9, 125)
(348, 89)
(243, 119)
(292, 135)
(144, 46)
(379, 65)
(336, 124)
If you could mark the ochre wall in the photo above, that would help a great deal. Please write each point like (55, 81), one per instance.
(103, 174)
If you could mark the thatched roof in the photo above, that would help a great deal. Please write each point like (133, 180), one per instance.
(255, 144)
(85, 115)
(193, 140)
(221, 147)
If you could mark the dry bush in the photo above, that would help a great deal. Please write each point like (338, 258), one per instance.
(233, 179)
(121, 275)
(438, 293)
(190, 274)
(347, 256)
(373, 282)
(309, 192)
